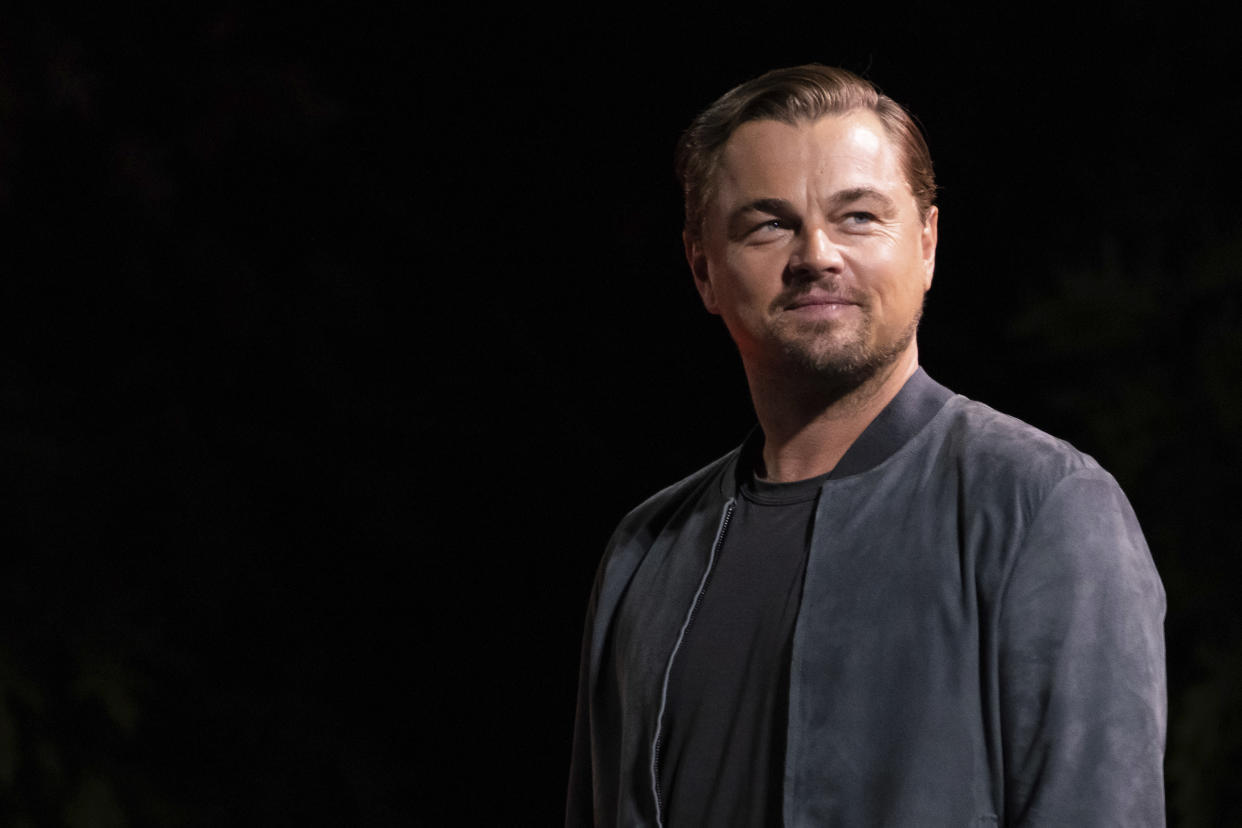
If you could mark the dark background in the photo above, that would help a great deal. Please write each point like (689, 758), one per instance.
(334, 342)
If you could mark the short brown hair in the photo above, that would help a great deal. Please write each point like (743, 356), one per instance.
(799, 93)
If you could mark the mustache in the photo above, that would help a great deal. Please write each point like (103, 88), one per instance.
(830, 289)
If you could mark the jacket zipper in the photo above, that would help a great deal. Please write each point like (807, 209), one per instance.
(694, 606)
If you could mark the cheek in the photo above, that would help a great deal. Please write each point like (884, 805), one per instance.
(900, 273)
(736, 283)
(756, 269)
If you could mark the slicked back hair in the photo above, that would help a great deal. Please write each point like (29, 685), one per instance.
(794, 95)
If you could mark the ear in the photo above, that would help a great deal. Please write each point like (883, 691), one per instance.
(928, 239)
(697, 260)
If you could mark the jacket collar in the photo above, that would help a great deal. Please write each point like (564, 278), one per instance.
(918, 401)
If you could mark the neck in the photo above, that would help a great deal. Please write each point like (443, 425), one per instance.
(808, 426)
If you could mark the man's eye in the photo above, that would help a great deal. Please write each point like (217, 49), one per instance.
(773, 224)
(859, 218)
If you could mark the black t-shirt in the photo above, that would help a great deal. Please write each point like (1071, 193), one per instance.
(722, 758)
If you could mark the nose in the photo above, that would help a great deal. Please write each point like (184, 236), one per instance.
(815, 254)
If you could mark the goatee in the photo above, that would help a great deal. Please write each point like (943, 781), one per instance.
(838, 370)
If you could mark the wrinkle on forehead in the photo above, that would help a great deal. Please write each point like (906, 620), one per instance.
(773, 159)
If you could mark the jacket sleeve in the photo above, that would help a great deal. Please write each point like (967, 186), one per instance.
(1082, 666)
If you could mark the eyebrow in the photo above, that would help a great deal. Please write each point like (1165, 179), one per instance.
(843, 197)
(839, 199)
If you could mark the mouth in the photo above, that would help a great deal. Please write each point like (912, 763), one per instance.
(819, 301)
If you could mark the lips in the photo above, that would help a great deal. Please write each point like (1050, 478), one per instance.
(812, 299)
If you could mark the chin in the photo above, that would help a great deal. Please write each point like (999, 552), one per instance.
(844, 365)
(838, 369)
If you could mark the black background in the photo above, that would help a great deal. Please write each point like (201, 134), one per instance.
(334, 341)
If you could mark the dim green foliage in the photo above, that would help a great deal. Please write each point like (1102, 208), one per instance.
(68, 718)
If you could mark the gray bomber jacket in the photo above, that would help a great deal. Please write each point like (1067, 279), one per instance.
(979, 642)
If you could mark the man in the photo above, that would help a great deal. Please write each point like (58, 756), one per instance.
(891, 605)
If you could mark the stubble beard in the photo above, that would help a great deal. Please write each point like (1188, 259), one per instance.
(815, 352)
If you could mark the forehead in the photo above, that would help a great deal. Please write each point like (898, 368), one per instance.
(769, 158)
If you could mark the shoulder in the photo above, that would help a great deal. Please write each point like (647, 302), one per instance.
(998, 453)
(1009, 474)
(668, 508)
(982, 434)
(657, 511)
(1062, 513)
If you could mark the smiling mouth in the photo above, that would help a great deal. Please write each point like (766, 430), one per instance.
(818, 302)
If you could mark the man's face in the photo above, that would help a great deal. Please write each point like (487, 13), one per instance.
(812, 250)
